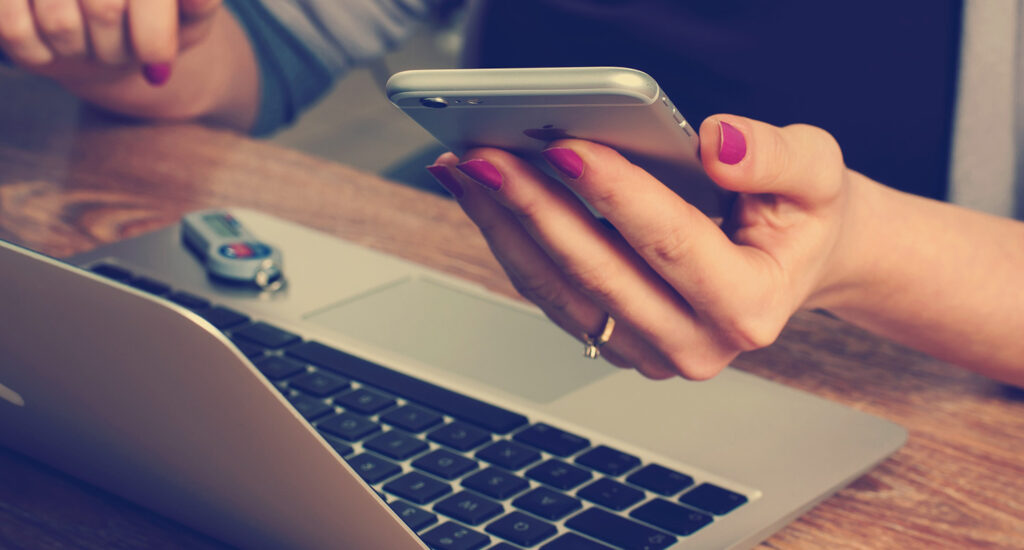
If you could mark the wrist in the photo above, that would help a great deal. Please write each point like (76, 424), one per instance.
(853, 270)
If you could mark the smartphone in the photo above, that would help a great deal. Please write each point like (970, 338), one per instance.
(522, 110)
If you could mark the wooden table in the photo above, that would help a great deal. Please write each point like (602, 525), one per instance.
(71, 182)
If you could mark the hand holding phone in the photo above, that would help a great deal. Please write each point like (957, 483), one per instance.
(522, 110)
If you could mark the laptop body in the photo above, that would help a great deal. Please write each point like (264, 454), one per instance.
(146, 398)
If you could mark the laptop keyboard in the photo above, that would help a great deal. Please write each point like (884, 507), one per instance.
(462, 473)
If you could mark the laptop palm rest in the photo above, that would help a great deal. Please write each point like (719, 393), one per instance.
(510, 348)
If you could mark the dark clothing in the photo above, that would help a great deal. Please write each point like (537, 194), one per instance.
(879, 75)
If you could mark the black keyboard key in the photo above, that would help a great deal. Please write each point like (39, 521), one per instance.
(608, 460)
(548, 504)
(411, 418)
(671, 517)
(522, 529)
(342, 448)
(660, 479)
(508, 454)
(459, 436)
(222, 318)
(191, 301)
(558, 474)
(611, 494)
(415, 518)
(572, 541)
(267, 335)
(373, 468)
(469, 507)
(714, 499)
(619, 531)
(444, 464)
(319, 383)
(465, 408)
(111, 271)
(250, 350)
(503, 546)
(348, 426)
(309, 407)
(496, 483)
(364, 401)
(278, 368)
(150, 286)
(417, 488)
(396, 444)
(552, 440)
(452, 536)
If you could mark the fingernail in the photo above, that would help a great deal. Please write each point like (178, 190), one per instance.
(446, 179)
(157, 74)
(733, 145)
(565, 160)
(482, 172)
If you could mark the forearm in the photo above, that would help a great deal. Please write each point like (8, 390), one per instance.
(216, 81)
(936, 277)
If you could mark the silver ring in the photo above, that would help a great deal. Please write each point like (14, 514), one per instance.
(592, 344)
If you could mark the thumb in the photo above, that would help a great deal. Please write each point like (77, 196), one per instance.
(800, 162)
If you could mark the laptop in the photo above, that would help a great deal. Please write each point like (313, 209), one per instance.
(373, 403)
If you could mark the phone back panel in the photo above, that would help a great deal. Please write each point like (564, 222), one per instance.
(522, 110)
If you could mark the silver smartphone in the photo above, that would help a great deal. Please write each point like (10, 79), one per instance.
(522, 110)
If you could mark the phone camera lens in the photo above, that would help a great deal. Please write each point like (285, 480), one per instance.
(434, 102)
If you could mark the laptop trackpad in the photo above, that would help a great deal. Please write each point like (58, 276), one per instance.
(514, 350)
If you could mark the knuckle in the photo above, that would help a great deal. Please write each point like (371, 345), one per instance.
(696, 366)
(107, 13)
(112, 56)
(779, 153)
(669, 246)
(654, 370)
(605, 197)
(528, 211)
(823, 144)
(745, 333)
(16, 31)
(199, 7)
(593, 279)
(545, 292)
(60, 24)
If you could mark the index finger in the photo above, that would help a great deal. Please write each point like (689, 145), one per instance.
(153, 25)
(684, 246)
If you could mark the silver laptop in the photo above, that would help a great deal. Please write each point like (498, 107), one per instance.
(374, 403)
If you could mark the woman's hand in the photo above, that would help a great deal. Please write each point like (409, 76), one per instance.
(83, 40)
(687, 295)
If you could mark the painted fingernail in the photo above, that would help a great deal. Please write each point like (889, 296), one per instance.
(482, 172)
(565, 160)
(446, 179)
(157, 74)
(733, 145)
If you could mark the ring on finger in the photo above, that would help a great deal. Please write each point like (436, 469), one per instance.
(592, 344)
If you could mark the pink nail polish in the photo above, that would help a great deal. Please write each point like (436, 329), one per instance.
(483, 173)
(733, 145)
(446, 179)
(565, 160)
(157, 74)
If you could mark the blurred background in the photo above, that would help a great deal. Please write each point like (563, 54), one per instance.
(353, 124)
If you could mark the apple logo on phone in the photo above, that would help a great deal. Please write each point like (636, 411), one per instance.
(7, 394)
(548, 132)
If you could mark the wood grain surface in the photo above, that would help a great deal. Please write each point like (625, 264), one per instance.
(71, 181)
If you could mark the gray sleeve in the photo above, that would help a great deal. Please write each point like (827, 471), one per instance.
(344, 33)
